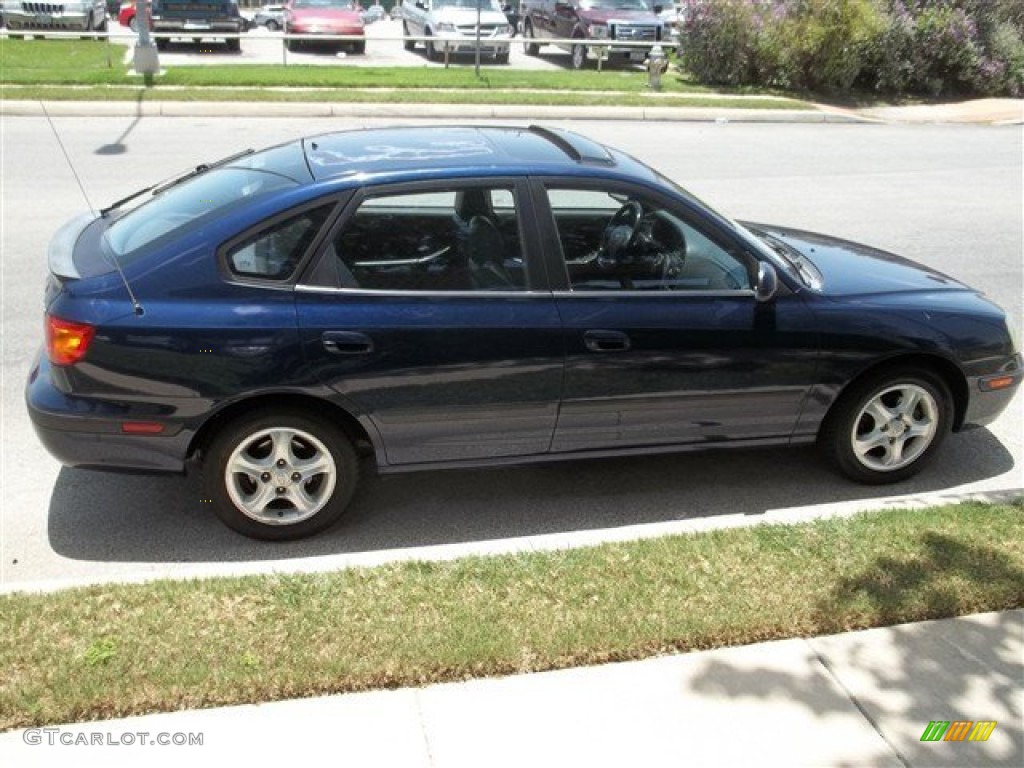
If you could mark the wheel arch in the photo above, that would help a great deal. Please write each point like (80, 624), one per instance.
(348, 423)
(945, 369)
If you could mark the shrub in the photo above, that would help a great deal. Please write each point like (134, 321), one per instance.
(719, 40)
(935, 47)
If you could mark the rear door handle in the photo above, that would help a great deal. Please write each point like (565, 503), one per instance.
(347, 342)
(606, 341)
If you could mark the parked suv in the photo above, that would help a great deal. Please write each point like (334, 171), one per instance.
(449, 19)
(617, 21)
(85, 16)
(198, 19)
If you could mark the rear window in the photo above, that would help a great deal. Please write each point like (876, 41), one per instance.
(191, 204)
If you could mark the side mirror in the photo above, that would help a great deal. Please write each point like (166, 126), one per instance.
(767, 282)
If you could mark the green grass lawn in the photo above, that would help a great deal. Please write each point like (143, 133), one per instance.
(83, 70)
(111, 651)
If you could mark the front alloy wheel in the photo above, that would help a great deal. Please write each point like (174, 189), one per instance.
(280, 475)
(579, 56)
(887, 428)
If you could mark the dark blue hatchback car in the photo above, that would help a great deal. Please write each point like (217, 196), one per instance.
(433, 297)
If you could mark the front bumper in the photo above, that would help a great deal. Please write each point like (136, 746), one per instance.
(984, 404)
(72, 20)
(457, 44)
(85, 432)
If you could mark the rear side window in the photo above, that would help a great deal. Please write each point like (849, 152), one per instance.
(275, 252)
(191, 204)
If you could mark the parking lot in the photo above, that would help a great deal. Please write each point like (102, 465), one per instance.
(383, 49)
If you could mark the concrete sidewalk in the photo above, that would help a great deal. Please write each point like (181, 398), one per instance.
(856, 699)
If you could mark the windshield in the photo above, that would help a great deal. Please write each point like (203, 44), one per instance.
(189, 205)
(343, 5)
(470, 5)
(615, 5)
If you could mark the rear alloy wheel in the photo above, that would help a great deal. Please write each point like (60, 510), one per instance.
(280, 475)
(888, 427)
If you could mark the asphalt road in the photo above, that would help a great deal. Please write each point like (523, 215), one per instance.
(949, 196)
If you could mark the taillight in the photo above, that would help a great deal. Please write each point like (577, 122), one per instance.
(67, 342)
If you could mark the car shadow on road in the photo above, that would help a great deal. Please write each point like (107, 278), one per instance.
(99, 516)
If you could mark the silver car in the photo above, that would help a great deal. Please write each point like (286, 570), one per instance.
(269, 16)
(78, 16)
(450, 25)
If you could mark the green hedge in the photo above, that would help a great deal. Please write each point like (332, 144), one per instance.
(897, 47)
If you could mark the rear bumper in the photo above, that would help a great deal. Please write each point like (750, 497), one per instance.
(186, 28)
(83, 432)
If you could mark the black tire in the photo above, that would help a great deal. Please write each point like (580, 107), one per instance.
(272, 26)
(432, 53)
(359, 48)
(578, 56)
(530, 46)
(162, 43)
(234, 44)
(501, 58)
(409, 45)
(280, 503)
(89, 26)
(888, 426)
(291, 45)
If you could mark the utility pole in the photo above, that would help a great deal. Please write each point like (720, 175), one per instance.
(477, 68)
(144, 57)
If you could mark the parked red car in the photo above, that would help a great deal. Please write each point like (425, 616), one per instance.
(324, 17)
(126, 15)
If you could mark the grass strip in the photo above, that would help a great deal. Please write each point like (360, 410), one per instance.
(30, 68)
(111, 651)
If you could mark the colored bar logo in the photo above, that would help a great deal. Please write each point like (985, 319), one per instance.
(958, 730)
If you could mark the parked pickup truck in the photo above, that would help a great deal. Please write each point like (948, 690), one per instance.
(443, 21)
(619, 22)
(197, 19)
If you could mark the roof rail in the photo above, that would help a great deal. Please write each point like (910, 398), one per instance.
(580, 149)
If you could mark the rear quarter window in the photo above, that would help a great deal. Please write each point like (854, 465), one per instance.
(188, 205)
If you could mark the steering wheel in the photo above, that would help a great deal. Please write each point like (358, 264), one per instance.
(620, 233)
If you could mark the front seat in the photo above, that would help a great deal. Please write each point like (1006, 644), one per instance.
(485, 252)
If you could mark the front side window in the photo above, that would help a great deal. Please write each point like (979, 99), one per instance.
(275, 252)
(459, 239)
(620, 241)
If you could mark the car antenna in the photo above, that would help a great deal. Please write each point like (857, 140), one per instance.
(67, 159)
(136, 307)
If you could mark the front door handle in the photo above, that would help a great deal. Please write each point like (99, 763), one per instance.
(347, 342)
(606, 341)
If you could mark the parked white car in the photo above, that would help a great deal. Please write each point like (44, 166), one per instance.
(444, 22)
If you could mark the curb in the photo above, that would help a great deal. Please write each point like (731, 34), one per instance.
(16, 108)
